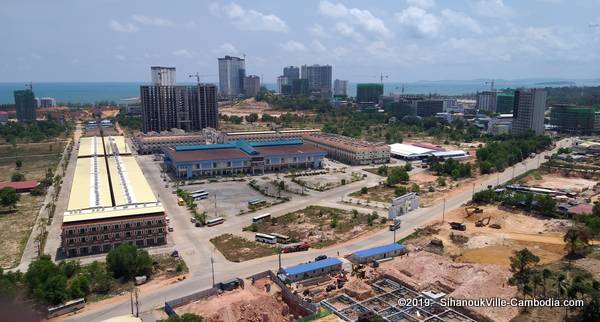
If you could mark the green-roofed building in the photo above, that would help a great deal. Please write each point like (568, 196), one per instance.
(505, 103)
(572, 119)
(368, 93)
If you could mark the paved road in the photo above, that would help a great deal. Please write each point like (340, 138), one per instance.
(196, 249)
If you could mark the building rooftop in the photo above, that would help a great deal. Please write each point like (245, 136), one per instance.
(378, 250)
(344, 141)
(89, 146)
(90, 186)
(408, 149)
(19, 185)
(584, 208)
(303, 268)
(119, 141)
(240, 150)
(128, 182)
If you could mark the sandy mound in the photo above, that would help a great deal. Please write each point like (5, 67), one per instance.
(427, 271)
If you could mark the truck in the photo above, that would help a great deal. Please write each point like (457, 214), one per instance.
(396, 224)
(457, 226)
(298, 247)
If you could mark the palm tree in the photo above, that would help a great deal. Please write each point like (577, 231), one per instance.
(536, 280)
(562, 285)
(546, 274)
(575, 241)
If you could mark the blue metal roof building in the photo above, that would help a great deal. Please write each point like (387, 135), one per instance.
(313, 269)
(241, 157)
(376, 253)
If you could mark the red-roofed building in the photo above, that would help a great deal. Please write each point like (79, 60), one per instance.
(3, 117)
(20, 186)
(581, 209)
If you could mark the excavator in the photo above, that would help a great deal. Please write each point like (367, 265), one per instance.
(473, 210)
(483, 222)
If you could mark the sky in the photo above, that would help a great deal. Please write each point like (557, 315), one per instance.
(408, 40)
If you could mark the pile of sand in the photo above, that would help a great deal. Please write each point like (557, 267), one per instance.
(246, 305)
(358, 289)
(426, 271)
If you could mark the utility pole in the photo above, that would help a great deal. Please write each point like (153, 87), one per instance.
(394, 235)
(444, 211)
(381, 77)
(279, 255)
(212, 268)
(137, 303)
(131, 301)
(473, 193)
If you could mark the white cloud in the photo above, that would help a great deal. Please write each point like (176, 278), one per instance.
(317, 31)
(492, 8)
(425, 4)
(419, 22)
(348, 31)
(249, 20)
(122, 27)
(318, 46)
(293, 46)
(120, 57)
(191, 24)
(182, 53)
(461, 20)
(363, 18)
(227, 48)
(152, 21)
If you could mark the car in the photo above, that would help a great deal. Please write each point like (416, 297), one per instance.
(198, 224)
(193, 220)
(175, 253)
(320, 258)
(170, 228)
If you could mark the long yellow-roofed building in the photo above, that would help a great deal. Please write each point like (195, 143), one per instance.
(110, 201)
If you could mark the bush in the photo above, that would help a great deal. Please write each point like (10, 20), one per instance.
(364, 190)
(17, 176)
(127, 261)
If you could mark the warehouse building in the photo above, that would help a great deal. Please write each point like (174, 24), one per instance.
(376, 253)
(312, 269)
(241, 157)
(415, 151)
(110, 201)
(153, 142)
(349, 150)
(259, 136)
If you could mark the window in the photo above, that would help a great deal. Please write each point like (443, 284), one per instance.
(105, 228)
(116, 226)
(71, 241)
(127, 225)
(105, 237)
(138, 224)
(70, 232)
(82, 230)
(117, 235)
(128, 234)
(148, 223)
(94, 238)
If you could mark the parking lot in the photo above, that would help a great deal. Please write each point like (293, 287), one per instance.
(230, 198)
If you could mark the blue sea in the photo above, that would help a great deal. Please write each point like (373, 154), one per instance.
(90, 92)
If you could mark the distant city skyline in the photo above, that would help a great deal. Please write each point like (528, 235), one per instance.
(409, 40)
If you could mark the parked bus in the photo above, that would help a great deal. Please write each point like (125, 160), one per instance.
(200, 195)
(68, 307)
(198, 191)
(265, 238)
(214, 222)
(260, 218)
(282, 239)
(256, 202)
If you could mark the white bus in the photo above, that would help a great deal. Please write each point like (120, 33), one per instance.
(197, 191)
(282, 239)
(265, 238)
(260, 218)
(256, 202)
(200, 195)
(214, 222)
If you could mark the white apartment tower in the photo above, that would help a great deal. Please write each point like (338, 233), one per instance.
(163, 76)
(232, 71)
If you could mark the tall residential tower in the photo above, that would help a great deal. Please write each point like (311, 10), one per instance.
(190, 108)
(25, 105)
(319, 78)
(528, 111)
(232, 71)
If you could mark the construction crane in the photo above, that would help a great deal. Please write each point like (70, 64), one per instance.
(197, 76)
(29, 85)
(382, 76)
(491, 83)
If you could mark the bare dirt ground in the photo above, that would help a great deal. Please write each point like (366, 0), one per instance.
(253, 303)
(556, 181)
(591, 265)
(426, 271)
(486, 245)
(16, 228)
(320, 226)
(250, 105)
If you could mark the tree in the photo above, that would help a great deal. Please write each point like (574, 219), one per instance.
(576, 242)
(186, 317)
(596, 209)
(19, 163)
(397, 175)
(46, 282)
(79, 287)
(9, 197)
(252, 117)
(521, 265)
(128, 261)
(17, 176)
